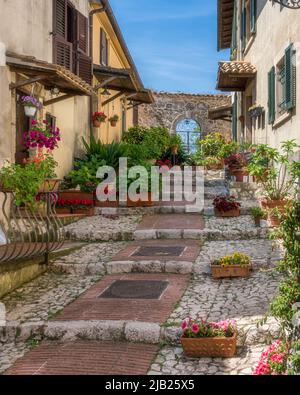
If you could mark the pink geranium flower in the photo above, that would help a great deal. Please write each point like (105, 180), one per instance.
(195, 328)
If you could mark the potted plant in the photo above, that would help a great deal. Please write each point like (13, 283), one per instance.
(235, 265)
(237, 164)
(214, 340)
(113, 120)
(31, 105)
(277, 173)
(98, 118)
(255, 111)
(42, 135)
(257, 214)
(175, 141)
(27, 181)
(274, 360)
(226, 206)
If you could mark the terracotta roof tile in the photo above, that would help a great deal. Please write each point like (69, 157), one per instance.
(236, 67)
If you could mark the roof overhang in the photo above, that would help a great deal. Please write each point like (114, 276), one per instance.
(223, 113)
(47, 74)
(225, 20)
(120, 80)
(234, 76)
(145, 96)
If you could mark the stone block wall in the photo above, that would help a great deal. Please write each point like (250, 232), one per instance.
(170, 108)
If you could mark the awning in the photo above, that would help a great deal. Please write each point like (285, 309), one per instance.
(234, 76)
(115, 79)
(47, 74)
(223, 112)
(225, 20)
(145, 96)
(123, 81)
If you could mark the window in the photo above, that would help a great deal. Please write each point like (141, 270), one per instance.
(103, 48)
(282, 85)
(51, 120)
(248, 21)
(70, 40)
(189, 130)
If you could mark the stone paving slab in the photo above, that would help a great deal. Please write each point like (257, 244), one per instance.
(86, 358)
(90, 307)
(175, 221)
(189, 253)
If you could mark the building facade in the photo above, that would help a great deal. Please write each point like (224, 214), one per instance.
(263, 71)
(48, 49)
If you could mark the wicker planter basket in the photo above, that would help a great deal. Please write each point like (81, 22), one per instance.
(213, 347)
(231, 213)
(218, 271)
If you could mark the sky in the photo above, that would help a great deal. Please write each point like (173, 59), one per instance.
(173, 42)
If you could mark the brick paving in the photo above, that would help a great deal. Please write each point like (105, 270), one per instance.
(86, 358)
(90, 307)
(173, 221)
(191, 250)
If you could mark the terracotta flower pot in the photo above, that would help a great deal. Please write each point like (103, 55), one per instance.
(113, 123)
(63, 210)
(96, 123)
(230, 213)
(219, 271)
(273, 221)
(239, 174)
(213, 347)
(268, 204)
(50, 185)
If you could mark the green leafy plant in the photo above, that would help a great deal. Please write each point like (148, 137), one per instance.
(114, 118)
(275, 170)
(210, 146)
(257, 212)
(26, 180)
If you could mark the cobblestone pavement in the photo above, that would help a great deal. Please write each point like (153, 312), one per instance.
(99, 228)
(171, 361)
(10, 352)
(45, 296)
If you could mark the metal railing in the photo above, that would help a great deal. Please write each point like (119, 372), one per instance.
(29, 232)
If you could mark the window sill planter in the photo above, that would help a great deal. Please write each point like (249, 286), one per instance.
(63, 210)
(73, 194)
(210, 347)
(230, 213)
(231, 271)
(30, 111)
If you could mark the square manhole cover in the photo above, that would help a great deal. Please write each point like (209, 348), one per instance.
(159, 251)
(130, 289)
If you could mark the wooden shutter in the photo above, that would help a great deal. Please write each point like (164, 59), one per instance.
(253, 13)
(103, 48)
(234, 36)
(243, 28)
(290, 79)
(234, 119)
(62, 49)
(84, 62)
(271, 95)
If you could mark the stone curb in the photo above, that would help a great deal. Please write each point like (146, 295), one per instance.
(204, 235)
(130, 331)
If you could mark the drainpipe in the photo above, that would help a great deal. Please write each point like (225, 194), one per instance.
(91, 43)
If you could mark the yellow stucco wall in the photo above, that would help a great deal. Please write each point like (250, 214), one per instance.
(116, 59)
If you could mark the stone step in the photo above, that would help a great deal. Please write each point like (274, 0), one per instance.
(203, 235)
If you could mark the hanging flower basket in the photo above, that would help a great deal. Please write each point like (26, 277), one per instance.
(42, 135)
(98, 118)
(256, 111)
(213, 340)
(114, 120)
(31, 105)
